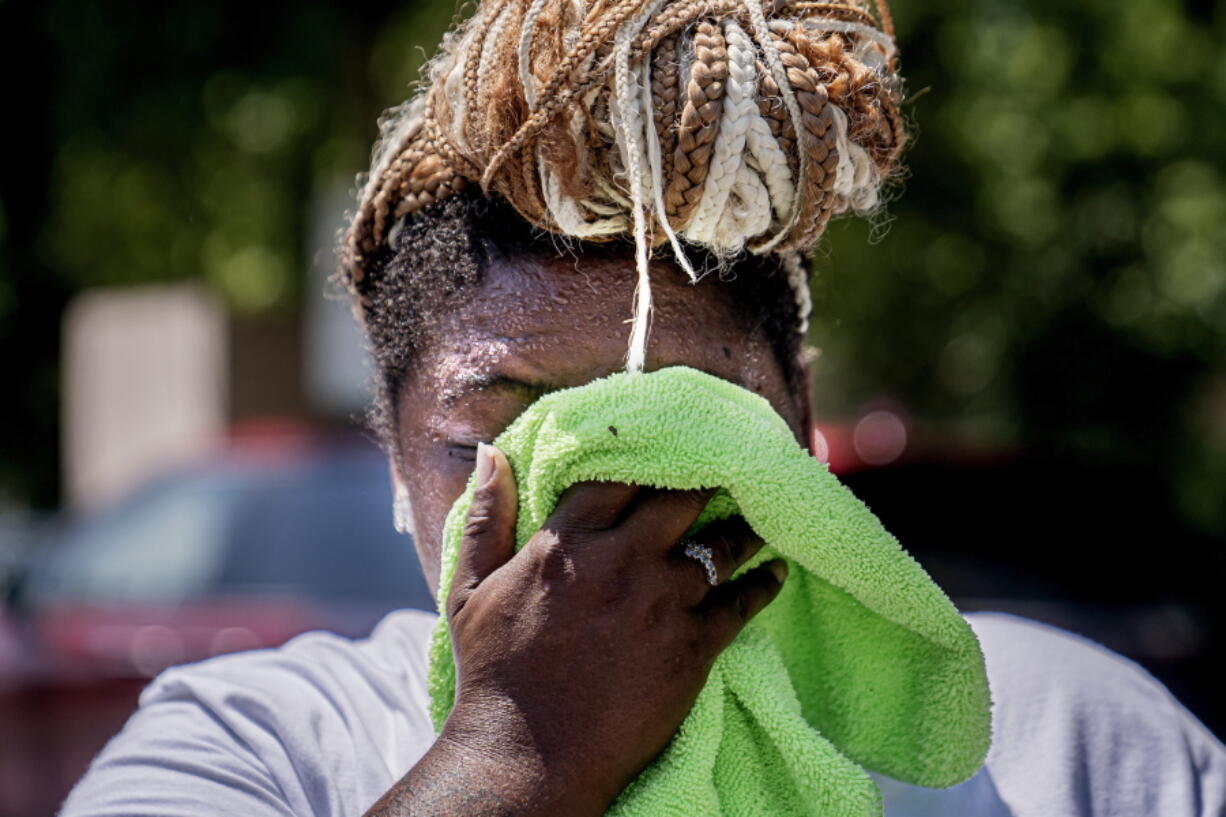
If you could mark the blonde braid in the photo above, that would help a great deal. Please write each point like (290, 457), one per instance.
(700, 120)
(819, 153)
(665, 91)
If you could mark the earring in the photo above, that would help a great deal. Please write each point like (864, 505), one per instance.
(402, 511)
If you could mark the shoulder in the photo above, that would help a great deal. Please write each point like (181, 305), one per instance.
(319, 674)
(311, 727)
(1100, 733)
(286, 701)
(329, 666)
(1036, 669)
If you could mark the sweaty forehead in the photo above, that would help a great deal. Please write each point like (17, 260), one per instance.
(543, 324)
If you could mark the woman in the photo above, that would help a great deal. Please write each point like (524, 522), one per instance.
(569, 173)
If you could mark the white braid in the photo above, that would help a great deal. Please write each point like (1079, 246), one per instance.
(450, 75)
(739, 106)
(630, 131)
(602, 209)
(856, 180)
(766, 157)
(747, 211)
(796, 266)
(528, 28)
(488, 49)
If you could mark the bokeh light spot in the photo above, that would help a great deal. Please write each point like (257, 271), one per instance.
(234, 639)
(155, 647)
(880, 437)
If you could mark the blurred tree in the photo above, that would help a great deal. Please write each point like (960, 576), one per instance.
(1055, 275)
(193, 138)
(172, 142)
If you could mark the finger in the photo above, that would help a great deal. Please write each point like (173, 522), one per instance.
(732, 541)
(489, 529)
(588, 507)
(659, 517)
(729, 607)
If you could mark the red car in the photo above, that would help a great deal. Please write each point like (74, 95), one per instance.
(244, 551)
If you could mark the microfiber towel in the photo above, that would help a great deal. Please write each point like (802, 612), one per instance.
(861, 662)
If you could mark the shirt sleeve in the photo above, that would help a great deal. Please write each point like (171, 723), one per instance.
(1079, 730)
(175, 759)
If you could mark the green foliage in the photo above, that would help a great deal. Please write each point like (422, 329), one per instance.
(202, 165)
(1054, 274)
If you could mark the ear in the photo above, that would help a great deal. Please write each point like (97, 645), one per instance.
(402, 506)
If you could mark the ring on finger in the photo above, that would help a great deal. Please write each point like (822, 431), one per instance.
(703, 555)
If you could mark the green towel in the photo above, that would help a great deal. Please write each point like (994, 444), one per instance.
(860, 663)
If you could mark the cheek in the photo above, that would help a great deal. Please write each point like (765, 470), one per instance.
(435, 481)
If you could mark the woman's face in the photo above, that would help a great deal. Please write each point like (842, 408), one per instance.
(537, 325)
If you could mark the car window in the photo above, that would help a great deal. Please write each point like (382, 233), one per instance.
(164, 545)
(325, 533)
(319, 529)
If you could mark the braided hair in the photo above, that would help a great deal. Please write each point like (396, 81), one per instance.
(437, 260)
(723, 132)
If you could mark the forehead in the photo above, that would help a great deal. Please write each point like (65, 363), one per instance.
(560, 322)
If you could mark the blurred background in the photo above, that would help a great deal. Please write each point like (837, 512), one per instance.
(1022, 368)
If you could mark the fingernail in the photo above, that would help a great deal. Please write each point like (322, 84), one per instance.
(485, 465)
(779, 569)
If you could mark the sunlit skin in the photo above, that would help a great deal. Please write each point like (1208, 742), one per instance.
(579, 656)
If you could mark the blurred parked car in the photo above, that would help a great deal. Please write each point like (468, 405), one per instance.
(267, 540)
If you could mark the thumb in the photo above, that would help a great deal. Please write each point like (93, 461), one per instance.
(488, 541)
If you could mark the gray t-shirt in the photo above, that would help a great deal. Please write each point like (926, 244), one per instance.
(324, 726)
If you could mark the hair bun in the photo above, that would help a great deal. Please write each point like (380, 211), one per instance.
(717, 122)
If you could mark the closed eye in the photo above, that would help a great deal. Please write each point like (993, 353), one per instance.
(464, 453)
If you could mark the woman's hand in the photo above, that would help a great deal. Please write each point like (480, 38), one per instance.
(579, 656)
